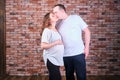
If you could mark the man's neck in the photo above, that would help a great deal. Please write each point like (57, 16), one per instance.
(65, 16)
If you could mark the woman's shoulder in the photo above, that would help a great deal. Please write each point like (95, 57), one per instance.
(46, 29)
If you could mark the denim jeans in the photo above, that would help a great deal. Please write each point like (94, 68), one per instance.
(75, 64)
(54, 72)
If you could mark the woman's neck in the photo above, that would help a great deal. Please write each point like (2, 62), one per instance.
(52, 27)
(53, 24)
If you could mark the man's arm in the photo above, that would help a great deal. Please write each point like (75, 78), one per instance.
(87, 41)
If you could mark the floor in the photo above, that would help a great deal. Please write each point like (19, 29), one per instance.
(63, 78)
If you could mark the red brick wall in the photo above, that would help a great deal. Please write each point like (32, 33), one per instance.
(23, 33)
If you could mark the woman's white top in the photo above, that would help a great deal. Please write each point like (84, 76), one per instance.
(53, 54)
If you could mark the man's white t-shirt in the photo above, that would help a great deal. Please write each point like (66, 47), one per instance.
(71, 32)
(53, 54)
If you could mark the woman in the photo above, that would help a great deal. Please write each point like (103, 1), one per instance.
(52, 45)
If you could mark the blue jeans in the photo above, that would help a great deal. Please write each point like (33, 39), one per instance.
(75, 64)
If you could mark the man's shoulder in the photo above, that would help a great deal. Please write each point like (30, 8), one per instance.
(74, 15)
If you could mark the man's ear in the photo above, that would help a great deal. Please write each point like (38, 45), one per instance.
(62, 11)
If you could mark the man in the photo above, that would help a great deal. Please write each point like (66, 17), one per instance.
(71, 28)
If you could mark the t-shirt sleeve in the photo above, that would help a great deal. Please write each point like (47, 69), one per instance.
(82, 23)
(45, 36)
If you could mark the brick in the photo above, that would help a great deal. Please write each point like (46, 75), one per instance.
(23, 35)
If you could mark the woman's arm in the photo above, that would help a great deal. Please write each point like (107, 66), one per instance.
(45, 45)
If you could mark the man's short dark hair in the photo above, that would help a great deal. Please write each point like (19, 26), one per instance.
(61, 6)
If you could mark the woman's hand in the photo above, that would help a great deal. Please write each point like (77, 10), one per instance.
(45, 45)
(58, 42)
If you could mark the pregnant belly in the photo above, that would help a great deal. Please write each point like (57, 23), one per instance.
(56, 49)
